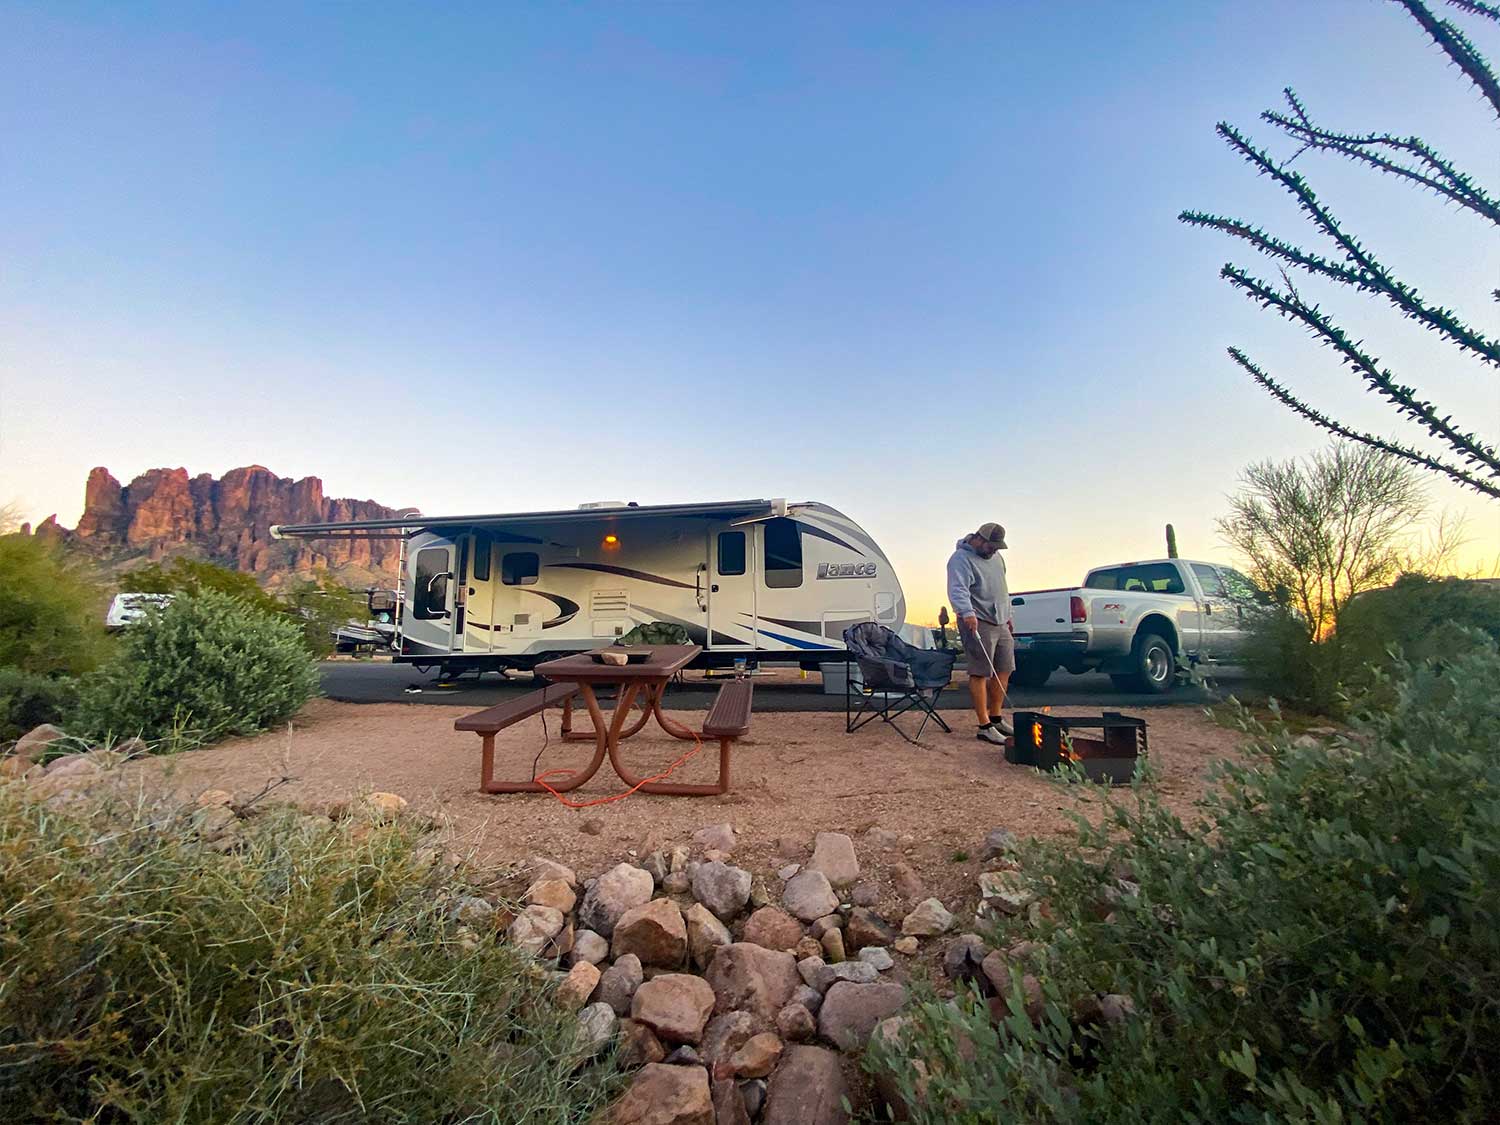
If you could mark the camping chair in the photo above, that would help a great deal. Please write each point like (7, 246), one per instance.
(896, 678)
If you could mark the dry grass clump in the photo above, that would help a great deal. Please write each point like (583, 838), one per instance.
(297, 970)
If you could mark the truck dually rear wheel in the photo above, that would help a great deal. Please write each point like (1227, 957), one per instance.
(1153, 664)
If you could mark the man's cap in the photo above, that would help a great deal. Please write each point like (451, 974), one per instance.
(992, 532)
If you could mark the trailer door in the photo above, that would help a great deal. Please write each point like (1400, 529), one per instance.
(430, 620)
(480, 596)
(731, 588)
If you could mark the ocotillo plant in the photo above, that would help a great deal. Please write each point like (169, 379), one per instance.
(1464, 456)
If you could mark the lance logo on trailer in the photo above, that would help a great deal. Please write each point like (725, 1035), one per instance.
(846, 570)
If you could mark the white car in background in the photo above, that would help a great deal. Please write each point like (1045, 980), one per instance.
(127, 609)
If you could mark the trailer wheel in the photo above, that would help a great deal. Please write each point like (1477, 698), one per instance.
(1029, 674)
(1154, 665)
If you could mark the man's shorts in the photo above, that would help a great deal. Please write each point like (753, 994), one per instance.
(990, 650)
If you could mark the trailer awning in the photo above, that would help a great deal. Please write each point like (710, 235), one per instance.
(399, 525)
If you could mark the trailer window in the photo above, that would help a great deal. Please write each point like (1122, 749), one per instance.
(731, 552)
(783, 540)
(1151, 578)
(520, 568)
(481, 559)
(430, 586)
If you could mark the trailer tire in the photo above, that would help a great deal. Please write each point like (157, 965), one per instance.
(1153, 663)
(1029, 674)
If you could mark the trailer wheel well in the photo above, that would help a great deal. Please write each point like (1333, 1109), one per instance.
(1156, 623)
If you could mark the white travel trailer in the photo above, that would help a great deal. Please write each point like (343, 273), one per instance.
(749, 579)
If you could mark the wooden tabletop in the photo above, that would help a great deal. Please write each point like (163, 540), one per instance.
(663, 662)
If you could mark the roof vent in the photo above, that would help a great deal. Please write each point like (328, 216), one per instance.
(593, 505)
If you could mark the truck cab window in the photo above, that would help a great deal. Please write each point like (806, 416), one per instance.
(520, 568)
(430, 584)
(783, 561)
(1151, 578)
(1209, 579)
(731, 552)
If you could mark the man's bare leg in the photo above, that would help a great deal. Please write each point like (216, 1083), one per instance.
(996, 698)
(979, 691)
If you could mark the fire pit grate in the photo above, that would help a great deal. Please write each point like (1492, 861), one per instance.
(1046, 741)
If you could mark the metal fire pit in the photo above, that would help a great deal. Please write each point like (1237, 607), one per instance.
(1046, 741)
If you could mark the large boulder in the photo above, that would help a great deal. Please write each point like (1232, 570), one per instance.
(833, 855)
(808, 1088)
(613, 893)
(809, 895)
(773, 928)
(748, 977)
(721, 888)
(534, 927)
(666, 1095)
(675, 1005)
(618, 983)
(850, 1012)
(865, 927)
(33, 744)
(928, 919)
(654, 932)
(705, 934)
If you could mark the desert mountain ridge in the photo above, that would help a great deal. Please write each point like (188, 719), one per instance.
(165, 512)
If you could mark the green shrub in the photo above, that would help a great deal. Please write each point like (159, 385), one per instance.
(28, 700)
(321, 605)
(1323, 945)
(205, 667)
(312, 974)
(1286, 664)
(194, 576)
(51, 613)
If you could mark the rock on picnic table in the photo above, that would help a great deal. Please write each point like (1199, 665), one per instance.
(612, 894)
(675, 1005)
(809, 896)
(833, 855)
(654, 932)
(721, 888)
(666, 1095)
(927, 920)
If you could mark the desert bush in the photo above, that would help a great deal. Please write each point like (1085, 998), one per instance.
(27, 700)
(319, 606)
(205, 667)
(311, 974)
(51, 612)
(1321, 943)
(195, 576)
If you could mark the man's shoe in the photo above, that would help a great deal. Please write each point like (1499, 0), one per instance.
(988, 733)
(1003, 726)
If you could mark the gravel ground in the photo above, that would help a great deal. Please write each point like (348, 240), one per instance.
(797, 774)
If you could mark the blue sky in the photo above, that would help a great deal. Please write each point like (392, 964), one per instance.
(919, 261)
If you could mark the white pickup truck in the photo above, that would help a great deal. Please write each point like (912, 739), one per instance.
(1141, 622)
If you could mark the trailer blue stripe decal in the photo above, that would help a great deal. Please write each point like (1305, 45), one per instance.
(788, 640)
(625, 572)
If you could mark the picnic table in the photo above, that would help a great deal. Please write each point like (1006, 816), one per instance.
(645, 679)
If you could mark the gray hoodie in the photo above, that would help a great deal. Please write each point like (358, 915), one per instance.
(977, 586)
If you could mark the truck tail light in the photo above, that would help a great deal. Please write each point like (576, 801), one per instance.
(1079, 610)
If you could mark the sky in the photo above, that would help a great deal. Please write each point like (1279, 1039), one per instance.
(917, 261)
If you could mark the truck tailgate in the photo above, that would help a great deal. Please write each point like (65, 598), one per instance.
(1043, 611)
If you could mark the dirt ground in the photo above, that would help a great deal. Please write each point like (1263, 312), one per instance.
(796, 775)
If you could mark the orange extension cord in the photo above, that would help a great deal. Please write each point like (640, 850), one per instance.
(560, 772)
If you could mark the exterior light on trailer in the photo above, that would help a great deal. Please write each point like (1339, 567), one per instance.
(611, 542)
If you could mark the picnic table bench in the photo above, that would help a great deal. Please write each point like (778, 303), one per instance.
(728, 719)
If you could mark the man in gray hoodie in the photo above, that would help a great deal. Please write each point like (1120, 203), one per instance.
(981, 602)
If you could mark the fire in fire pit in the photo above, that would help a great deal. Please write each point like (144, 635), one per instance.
(1046, 741)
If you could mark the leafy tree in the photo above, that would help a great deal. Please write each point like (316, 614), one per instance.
(321, 605)
(51, 611)
(194, 576)
(1467, 458)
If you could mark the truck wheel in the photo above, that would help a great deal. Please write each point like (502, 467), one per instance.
(1029, 675)
(1154, 665)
